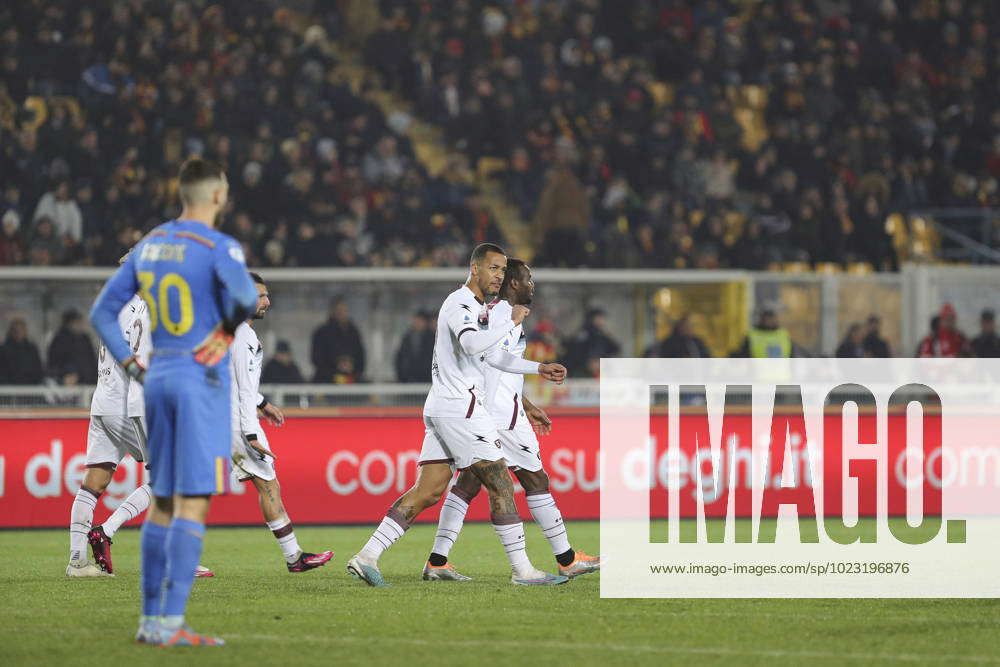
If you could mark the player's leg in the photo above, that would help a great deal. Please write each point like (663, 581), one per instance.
(201, 468)
(546, 514)
(276, 518)
(160, 415)
(453, 511)
(102, 459)
(432, 481)
(508, 525)
(134, 504)
(129, 434)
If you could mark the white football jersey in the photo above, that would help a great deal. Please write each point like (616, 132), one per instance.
(111, 396)
(246, 357)
(142, 345)
(504, 390)
(457, 381)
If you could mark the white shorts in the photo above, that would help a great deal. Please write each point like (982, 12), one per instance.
(248, 462)
(459, 441)
(110, 438)
(520, 446)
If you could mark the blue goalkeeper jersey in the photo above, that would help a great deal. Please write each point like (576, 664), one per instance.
(191, 276)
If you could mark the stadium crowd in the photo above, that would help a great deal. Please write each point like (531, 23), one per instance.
(623, 126)
(100, 103)
(620, 120)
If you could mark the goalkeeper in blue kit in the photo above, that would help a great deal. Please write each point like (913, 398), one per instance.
(195, 282)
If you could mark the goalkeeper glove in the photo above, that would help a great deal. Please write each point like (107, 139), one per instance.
(210, 351)
(134, 369)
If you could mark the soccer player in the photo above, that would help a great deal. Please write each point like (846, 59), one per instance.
(110, 436)
(514, 416)
(459, 431)
(116, 429)
(251, 454)
(194, 281)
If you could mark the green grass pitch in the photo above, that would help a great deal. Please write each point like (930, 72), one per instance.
(271, 617)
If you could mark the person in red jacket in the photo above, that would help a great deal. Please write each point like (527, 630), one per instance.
(945, 340)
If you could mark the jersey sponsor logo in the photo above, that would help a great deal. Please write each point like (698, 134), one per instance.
(465, 306)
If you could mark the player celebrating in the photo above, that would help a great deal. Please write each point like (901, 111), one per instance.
(458, 430)
(251, 454)
(195, 283)
(513, 415)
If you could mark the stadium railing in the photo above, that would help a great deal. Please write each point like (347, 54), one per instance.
(641, 305)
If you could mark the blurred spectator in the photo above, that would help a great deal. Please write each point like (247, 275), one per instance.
(681, 343)
(876, 346)
(766, 339)
(944, 340)
(592, 343)
(20, 362)
(337, 351)
(563, 218)
(543, 342)
(44, 247)
(853, 345)
(416, 349)
(71, 353)
(63, 211)
(987, 343)
(11, 243)
(281, 367)
(344, 371)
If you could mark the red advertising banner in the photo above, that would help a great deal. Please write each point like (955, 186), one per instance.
(350, 469)
(331, 469)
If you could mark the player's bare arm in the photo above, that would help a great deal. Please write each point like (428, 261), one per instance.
(553, 372)
(537, 417)
(272, 414)
(260, 447)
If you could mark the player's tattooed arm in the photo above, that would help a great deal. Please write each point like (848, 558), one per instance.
(496, 479)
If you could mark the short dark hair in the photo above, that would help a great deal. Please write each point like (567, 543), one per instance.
(515, 271)
(196, 169)
(483, 249)
(257, 279)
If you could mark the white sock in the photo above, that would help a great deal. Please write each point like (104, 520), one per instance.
(81, 516)
(282, 529)
(388, 533)
(450, 524)
(131, 507)
(512, 538)
(546, 514)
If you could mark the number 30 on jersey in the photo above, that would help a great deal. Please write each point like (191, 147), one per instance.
(157, 298)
